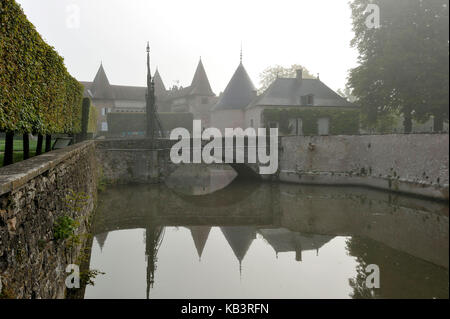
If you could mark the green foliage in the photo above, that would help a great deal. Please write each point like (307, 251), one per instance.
(270, 74)
(64, 227)
(76, 201)
(342, 121)
(6, 292)
(101, 180)
(37, 94)
(92, 125)
(404, 63)
(87, 277)
(125, 123)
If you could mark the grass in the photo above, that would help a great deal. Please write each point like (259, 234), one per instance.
(18, 149)
(18, 145)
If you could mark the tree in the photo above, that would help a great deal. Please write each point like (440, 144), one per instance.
(403, 64)
(269, 75)
(347, 94)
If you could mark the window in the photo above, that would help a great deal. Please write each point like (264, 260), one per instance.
(295, 126)
(104, 126)
(292, 129)
(307, 99)
(103, 111)
(323, 126)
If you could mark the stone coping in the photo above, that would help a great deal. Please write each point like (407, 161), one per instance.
(16, 175)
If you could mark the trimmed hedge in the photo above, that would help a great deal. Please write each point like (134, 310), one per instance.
(342, 121)
(134, 123)
(92, 124)
(37, 94)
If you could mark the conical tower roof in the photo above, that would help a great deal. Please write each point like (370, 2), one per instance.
(200, 83)
(239, 92)
(200, 236)
(239, 238)
(101, 89)
(160, 88)
(101, 239)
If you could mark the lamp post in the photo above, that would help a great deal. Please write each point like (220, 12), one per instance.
(150, 101)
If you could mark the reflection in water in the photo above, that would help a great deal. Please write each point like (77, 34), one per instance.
(200, 179)
(251, 240)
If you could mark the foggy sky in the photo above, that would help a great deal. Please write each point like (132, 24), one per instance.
(313, 33)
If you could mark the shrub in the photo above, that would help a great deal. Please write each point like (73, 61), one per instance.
(37, 94)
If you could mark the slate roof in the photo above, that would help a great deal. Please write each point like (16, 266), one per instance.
(284, 240)
(200, 83)
(239, 92)
(100, 87)
(239, 238)
(160, 88)
(199, 86)
(120, 92)
(200, 236)
(288, 92)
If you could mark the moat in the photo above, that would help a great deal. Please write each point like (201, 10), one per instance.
(207, 234)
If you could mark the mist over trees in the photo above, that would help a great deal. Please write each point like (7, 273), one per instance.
(270, 74)
(404, 63)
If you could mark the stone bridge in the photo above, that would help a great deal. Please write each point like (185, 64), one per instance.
(136, 160)
(415, 164)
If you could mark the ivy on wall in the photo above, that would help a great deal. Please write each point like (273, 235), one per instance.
(123, 123)
(342, 121)
(93, 118)
(37, 94)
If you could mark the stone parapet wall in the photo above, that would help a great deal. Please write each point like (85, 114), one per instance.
(33, 195)
(415, 164)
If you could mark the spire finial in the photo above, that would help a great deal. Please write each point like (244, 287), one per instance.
(241, 53)
(148, 47)
(240, 270)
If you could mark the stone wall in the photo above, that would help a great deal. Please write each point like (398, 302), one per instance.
(414, 164)
(410, 163)
(33, 195)
(124, 161)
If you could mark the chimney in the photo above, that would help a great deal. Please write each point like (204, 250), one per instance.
(299, 76)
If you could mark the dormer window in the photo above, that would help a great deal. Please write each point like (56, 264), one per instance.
(307, 99)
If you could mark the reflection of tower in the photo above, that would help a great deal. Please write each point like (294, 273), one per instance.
(200, 236)
(283, 240)
(101, 239)
(154, 127)
(153, 238)
(239, 238)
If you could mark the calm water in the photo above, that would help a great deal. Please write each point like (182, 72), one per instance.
(205, 234)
